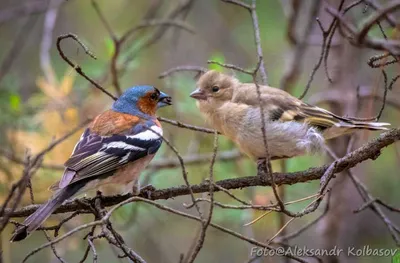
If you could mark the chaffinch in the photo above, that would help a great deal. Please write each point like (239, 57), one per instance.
(114, 149)
(292, 127)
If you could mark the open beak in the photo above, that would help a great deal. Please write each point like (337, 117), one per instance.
(198, 94)
(164, 100)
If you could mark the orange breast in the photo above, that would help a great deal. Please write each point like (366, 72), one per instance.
(111, 122)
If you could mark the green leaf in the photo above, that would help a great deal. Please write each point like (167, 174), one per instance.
(15, 102)
(218, 57)
(109, 47)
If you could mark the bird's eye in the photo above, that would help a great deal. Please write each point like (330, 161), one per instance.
(154, 96)
(215, 89)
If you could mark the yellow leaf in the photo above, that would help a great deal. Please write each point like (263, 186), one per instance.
(71, 114)
(67, 82)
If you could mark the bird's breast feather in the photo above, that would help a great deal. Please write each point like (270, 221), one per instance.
(112, 122)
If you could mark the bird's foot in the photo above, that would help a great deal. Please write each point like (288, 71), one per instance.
(261, 165)
(99, 194)
(147, 190)
(133, 188)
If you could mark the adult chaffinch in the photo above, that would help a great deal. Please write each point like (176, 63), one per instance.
(114, 149)
(292, 127)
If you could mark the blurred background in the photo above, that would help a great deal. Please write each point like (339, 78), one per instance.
(42, 98)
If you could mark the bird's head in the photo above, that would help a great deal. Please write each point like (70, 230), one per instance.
(213, 87)
(141, 99)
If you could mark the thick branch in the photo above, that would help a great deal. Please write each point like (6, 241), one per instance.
(370, 150)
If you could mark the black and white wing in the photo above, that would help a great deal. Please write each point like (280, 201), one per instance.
(96, 155)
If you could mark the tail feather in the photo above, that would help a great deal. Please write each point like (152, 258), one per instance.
(334, 125)
(35, 220)
(349, 126)
(371, 125)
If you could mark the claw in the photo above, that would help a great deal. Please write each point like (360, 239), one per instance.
(135, 190)
(261, 164)
(147, 190)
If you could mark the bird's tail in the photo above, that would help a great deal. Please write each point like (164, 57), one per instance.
(35, 220)
(333, 125)
(346, 126)
(375, 126)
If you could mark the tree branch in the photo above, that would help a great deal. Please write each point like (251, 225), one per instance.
(370, 150)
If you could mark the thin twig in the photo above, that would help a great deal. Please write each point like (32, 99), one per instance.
(182, 68)
(325, 35)
(257, 40)
(293, 70)
(76, 66)
(184, 173)
(93, 248)
(390, 7)
(53, 248)
(367, 197)
(30, 168)
(307, 226)
(186, 126)
(205, 223)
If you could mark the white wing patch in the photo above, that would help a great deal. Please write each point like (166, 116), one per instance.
(124, 145)
(148, 134)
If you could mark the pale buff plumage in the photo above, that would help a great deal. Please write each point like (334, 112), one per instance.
(292, 127)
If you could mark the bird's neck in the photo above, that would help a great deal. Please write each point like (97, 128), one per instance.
(209, 107)
(130, 108)
(112, 122)
(222, 116)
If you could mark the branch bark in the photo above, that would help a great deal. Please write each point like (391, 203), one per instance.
(370, 150)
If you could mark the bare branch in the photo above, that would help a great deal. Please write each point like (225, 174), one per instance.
(182, 68)
(205, 223)
(370, 150)
(291, 75)
(53, 248)
(77, 67)
(30, 168)
(391, 7)
(392, 46)
(238, 3)
(186, 126)
(257, 39)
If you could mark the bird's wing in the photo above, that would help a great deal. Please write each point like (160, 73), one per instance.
(281, 106)
(96, 155)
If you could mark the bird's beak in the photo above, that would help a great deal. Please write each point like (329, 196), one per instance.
(164, 100)
(198, 94)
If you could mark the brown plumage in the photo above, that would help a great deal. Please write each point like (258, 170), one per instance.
(115, 148)
(292, 126)
(111, 122)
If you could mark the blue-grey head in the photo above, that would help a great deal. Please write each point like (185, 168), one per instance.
(141, 99)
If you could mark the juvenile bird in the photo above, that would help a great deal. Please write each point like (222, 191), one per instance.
(114, 149)
(292, 127)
